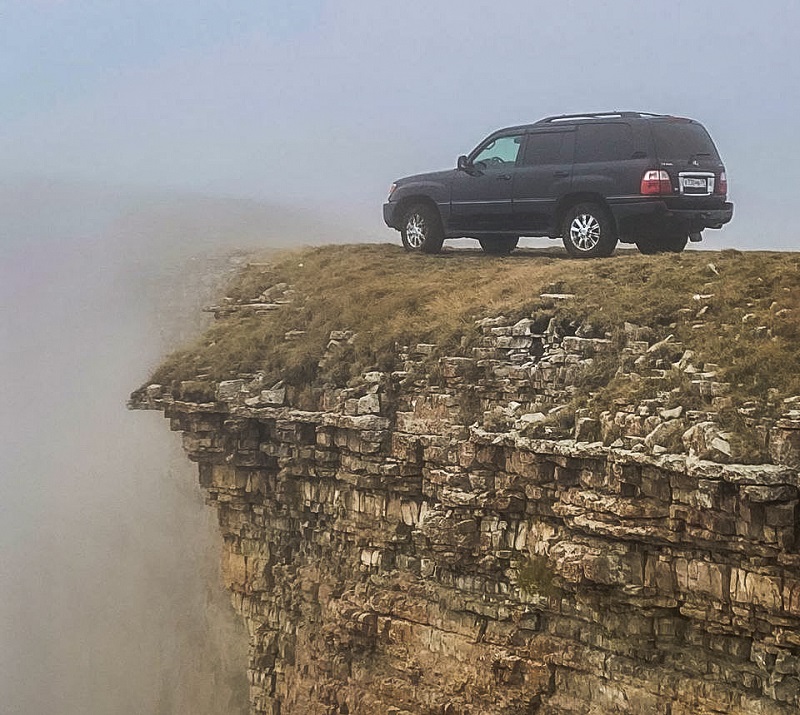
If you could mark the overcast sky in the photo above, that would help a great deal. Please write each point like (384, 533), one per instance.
(325, 102)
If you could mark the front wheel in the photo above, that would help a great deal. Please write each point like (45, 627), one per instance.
(499, 245)
(422, 229)
(588, 232)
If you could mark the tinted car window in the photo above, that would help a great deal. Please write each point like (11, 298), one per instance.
(544, 148)
(682, 141)
(503, 150)
(604, 142)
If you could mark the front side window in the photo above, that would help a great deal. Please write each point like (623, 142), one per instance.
(499, 153)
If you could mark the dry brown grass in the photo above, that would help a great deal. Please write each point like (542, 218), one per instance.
(750, 327)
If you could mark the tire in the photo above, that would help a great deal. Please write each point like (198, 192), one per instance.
(670, 243)
(499, 245)
(422, 229)
(588, 232)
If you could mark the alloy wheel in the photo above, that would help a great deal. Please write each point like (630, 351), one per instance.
(415, 230)
(584, 232)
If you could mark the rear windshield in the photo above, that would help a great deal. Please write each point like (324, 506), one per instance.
(676, 141)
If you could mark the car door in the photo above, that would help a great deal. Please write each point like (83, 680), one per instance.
(481, 198)
(544, 173)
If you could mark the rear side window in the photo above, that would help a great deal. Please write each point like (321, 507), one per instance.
(544, 148)
(681, 141)
(604, 142)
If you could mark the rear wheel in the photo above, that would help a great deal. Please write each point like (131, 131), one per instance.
(667, 243)
(588, 232)
(422, 229)
(499, 245)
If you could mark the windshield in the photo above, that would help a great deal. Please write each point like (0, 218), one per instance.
(682, 141)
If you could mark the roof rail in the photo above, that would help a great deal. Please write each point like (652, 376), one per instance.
(594, 115)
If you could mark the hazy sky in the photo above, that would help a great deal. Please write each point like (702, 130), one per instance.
(327, 102)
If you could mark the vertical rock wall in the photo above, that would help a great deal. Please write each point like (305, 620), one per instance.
(427, 541)
(417, 566)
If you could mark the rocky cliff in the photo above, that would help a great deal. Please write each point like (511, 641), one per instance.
(490, 524)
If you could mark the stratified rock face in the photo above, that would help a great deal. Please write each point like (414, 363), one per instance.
(413, 565)
(389, 558)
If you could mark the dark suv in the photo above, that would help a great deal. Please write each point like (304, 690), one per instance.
(591, 179)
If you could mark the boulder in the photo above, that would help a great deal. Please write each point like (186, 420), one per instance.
(666, 434)
(706, 440)
(230, 390)
(784, 446)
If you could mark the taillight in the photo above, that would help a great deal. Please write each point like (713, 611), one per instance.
(722, 185)
(655, 183)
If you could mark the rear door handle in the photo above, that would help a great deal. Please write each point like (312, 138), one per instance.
(504, 177)
(561, 174)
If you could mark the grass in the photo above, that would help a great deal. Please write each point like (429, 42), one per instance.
(738, 311)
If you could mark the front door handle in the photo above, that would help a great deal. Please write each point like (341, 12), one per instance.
(504, 177)
(561, 174)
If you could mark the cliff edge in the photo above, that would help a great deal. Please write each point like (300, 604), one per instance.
(462, 485)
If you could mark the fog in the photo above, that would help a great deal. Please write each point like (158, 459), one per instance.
(324, 103)
(143, 143)
(110, 597)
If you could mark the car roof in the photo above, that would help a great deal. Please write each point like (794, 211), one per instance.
(588, 117)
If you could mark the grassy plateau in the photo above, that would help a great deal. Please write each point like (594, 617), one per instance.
(738, 311)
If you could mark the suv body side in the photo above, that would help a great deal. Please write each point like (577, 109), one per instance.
(564, 161)
(610, 159)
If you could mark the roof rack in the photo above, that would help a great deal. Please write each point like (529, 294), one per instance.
(594, 115)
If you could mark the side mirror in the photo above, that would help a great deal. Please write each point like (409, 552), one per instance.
(463, 163)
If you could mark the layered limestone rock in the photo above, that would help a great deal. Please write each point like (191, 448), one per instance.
(426, 542)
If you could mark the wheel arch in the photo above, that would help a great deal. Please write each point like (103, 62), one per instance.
(566, 202)
(404, 203)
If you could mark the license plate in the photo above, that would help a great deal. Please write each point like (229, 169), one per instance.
(692, 183)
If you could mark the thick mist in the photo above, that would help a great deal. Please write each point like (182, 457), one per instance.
(327, 102)
(110, 599)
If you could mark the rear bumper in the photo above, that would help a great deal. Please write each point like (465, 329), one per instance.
(703, 218)
(637, 216)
